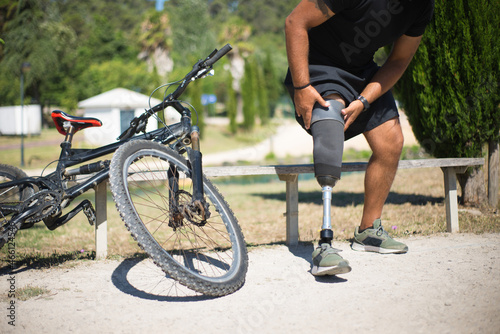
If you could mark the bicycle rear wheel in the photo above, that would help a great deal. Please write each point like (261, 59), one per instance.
(152, 188)
(11, 201)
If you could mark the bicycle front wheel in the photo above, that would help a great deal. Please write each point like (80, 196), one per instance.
(152, 188)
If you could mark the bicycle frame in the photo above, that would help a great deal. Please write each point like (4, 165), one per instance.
(178, 134)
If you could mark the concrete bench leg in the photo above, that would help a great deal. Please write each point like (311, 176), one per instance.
(101, 233)
(292, 208)
(451, 201)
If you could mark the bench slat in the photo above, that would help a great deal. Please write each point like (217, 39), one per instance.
(346, 167)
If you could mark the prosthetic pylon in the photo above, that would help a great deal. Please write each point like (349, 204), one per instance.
(326, 234)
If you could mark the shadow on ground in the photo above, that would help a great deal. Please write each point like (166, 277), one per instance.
(41, 261)
(343, 199)
(143, 279)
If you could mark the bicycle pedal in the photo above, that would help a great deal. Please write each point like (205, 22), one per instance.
(89, 211)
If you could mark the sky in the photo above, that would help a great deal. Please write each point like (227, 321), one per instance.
(159, 4)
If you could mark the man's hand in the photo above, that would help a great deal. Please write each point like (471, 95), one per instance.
(352, 112)
(304, 102)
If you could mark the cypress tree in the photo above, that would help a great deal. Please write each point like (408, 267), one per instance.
(262, 96)
(249, 95)
(231, 105)
(194, 92)
(272, 82)
(450, 91)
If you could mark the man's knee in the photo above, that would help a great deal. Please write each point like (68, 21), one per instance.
(394, 144)
(386, 140)
(396, 140)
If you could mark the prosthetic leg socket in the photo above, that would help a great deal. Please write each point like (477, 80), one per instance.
(327, 128)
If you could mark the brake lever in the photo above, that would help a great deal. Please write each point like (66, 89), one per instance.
(204, 72)
(136, 125)
(142, 123)
(126, 134)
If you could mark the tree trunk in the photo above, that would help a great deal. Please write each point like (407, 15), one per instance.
(473, 187)
(493, 162)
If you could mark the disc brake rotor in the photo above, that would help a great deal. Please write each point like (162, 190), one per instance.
(196, 213)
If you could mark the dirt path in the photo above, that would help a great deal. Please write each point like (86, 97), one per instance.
(448, 283)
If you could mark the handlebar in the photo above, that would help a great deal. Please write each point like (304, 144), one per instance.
(199, 70)
(217, 54)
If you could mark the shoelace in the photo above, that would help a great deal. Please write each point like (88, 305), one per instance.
(325, 248)
(381, 231)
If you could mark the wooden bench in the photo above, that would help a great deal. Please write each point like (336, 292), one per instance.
(289, 173)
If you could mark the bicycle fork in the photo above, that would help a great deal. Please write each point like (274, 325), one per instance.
(195, 209)
(194, 155)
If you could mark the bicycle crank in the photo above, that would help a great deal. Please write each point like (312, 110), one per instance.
(41, 205)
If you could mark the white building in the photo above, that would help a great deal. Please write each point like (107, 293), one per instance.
(11, 118)
(115, 109)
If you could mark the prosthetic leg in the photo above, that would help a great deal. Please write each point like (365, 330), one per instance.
(327, 128)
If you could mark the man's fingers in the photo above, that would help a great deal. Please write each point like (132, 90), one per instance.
(307, 120)
(304, 103)
(322, 101)
(347, 124)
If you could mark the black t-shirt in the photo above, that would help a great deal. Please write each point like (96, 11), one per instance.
(360, 27)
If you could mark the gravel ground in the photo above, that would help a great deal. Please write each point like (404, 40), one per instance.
(447, 283)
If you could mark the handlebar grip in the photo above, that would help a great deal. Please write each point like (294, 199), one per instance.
(219, 54)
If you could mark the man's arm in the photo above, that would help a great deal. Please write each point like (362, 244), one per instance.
(386, 77)
(307, 14)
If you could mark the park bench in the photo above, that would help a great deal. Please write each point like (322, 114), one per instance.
(289, 173)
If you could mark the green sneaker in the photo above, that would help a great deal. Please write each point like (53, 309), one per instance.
(377, 240)
(327, 261)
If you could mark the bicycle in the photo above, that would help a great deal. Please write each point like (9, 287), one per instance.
(177, 216)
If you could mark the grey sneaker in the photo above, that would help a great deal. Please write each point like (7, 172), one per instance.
(377, 240)
(327, 261)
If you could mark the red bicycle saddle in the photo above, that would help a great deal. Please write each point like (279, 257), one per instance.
(78, 123)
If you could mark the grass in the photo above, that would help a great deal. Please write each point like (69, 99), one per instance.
(29, 292)
(415, 207)
(25, 293)
(35, 156)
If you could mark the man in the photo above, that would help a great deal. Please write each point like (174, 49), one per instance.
(339, 92)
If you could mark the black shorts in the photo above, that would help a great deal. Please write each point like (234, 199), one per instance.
(331, 80)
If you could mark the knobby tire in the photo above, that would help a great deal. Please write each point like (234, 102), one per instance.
(208, 256)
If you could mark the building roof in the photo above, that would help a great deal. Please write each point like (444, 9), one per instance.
(118, 98)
